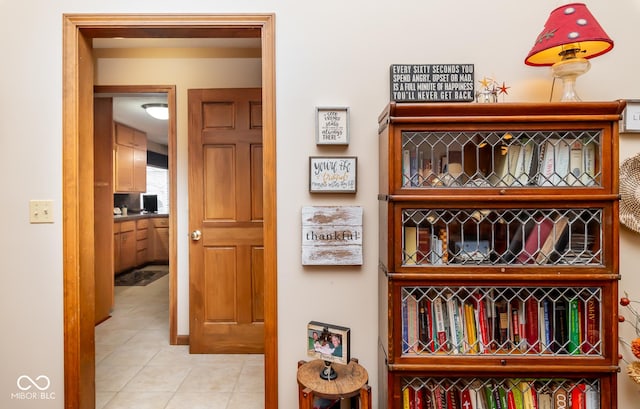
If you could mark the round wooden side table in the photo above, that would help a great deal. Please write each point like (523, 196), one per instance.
(351, 381)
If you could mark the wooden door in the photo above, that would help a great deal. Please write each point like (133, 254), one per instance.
(225, 207)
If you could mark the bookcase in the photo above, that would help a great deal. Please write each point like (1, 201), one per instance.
(498, 255)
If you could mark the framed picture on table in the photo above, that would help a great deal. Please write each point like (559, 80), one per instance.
(328, 342)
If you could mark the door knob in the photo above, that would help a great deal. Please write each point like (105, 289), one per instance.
(196, 235)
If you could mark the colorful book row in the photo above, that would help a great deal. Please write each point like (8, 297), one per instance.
(510, 394)
(474, 322)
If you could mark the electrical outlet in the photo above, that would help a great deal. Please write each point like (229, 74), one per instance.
(41, 211)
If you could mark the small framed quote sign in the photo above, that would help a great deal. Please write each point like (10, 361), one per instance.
(432, 82)
(332, 235)
(332, 126)
(332, 174)
(631, 116)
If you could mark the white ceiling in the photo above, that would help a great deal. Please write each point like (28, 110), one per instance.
(127, 108)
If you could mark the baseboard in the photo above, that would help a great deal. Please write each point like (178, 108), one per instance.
(182, 340)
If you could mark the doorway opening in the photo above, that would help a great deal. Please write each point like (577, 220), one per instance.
(78, 241)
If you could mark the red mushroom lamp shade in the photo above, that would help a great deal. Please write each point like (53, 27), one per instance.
(570, 37)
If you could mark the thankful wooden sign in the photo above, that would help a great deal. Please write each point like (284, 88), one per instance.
(332, 235)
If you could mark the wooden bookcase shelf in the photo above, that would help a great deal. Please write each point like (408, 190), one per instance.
(498, 254)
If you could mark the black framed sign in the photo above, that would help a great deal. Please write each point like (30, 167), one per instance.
(432, 83)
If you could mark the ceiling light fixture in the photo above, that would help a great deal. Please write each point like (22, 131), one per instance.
(157, 110)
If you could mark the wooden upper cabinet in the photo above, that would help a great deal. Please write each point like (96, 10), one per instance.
(130, 159)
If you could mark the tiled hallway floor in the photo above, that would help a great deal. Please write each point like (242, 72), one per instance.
(136, 368)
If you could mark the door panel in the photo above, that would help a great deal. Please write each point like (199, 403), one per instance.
(225, 202)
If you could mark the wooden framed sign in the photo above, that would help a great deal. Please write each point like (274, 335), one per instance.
(432, 83)
(332, 174)
(332, 126)
(332, 235)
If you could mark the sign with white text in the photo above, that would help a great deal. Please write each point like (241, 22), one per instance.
(432, 82)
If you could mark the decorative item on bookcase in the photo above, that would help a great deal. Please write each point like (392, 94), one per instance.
(633, 368)
(570, 37)
(630, 193)
(490, 89)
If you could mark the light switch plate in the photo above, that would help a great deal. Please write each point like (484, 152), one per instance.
(41, 211)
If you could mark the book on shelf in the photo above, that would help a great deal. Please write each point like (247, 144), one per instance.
(490, 398)
(406, 167)
(503, 318)
(425, 324)
(410, 245)
(424, 244)
(537, 236)
(560, 326)
(465, 399)
(554, 164)
(531, 324)
(470, 328)
(514, 164)
(455, 324)
(589, 152)
(574, 326)
(439, 318)
(405, 325)
(412, 324)
(556, 241)
(578, 398)
(482, 323)
(529, 395)
(517, 323)
(576, 163)
(547, 324)
(544, 401)
(592, 398)
(408, 397)
(592, 326)
(528, 152)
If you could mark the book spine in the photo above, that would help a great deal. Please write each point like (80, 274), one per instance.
(405, 398)
(410, 245)
(531, 324)
(578, 399)
(483, 324)
(470, 325)
(412, 319)
(405, 326)
(574, 326)
(406, 167)
(593, 326)
(441, 334)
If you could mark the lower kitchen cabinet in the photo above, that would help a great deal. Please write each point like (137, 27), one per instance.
(125, 245)
(160, 239)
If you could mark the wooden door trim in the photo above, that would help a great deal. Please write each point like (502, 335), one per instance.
(77, 202)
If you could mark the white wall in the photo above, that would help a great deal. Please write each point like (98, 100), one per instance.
(327, 53)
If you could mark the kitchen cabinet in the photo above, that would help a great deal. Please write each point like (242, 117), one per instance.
(160, 231)
(130, 159)
(498, 256)
(142, 242)
(126, 244)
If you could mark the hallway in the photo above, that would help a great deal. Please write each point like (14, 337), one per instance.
(137, 368)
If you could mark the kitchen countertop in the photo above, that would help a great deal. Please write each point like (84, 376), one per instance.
(137, 216)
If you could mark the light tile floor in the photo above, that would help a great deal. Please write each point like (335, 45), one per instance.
(136, 368)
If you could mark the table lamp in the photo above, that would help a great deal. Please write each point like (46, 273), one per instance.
(571, 36)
